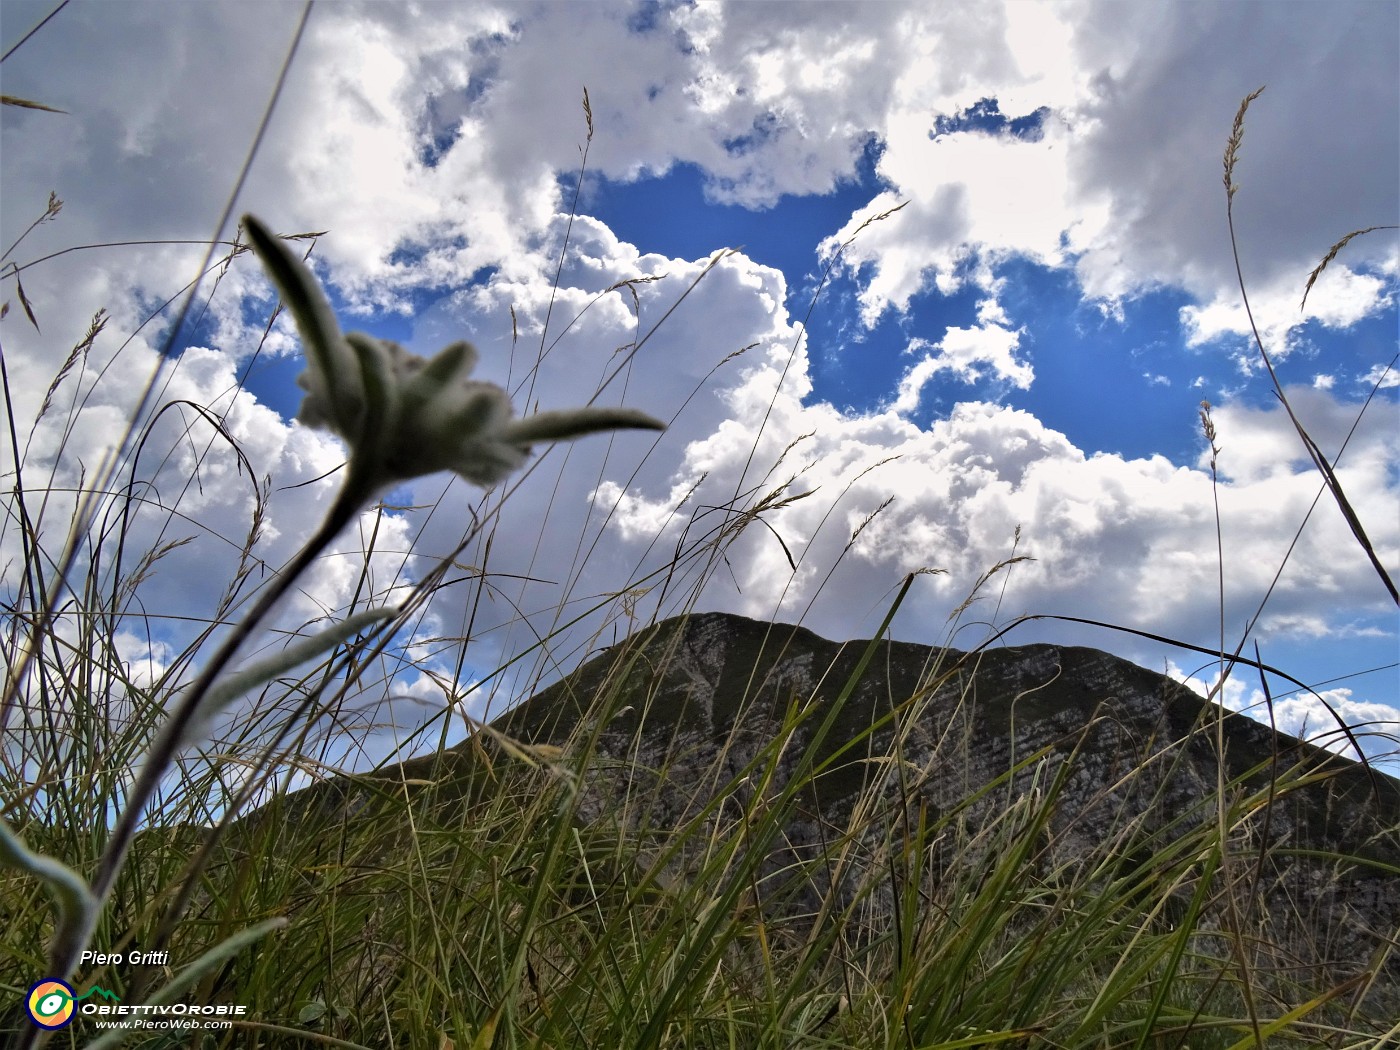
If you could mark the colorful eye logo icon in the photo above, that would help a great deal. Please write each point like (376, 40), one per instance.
(51, 1004)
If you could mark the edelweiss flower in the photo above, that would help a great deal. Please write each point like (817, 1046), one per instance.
(403, 415)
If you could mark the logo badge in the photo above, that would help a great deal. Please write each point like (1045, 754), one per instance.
(51, 1004)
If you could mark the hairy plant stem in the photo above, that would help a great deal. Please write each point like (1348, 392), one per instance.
(67, 950)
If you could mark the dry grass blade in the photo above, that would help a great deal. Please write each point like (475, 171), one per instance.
(1232, 148)
(736, 353)
(983, 580)
(1344, 505)
(24, 302)
(10, 100)
(791, 444)
(51, 211)
(80, 349)
(872, 220)
(1324, 468)
(855, 533)
(631, 283)
(25, 39)
(1332, 254)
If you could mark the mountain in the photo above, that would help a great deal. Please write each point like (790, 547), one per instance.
(1097, 761)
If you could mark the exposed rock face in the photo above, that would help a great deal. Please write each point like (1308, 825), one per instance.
(707, 692)
(692, 701)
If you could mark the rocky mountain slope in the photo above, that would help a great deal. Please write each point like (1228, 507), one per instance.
(1120, 762)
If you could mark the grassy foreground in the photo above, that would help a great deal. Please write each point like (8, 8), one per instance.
(513, 894)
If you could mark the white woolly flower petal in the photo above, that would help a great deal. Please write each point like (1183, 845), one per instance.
(316, 407)
(485, 460)
(331, 379)
(424, 380)
(570, 423)
(403, 415)
(378, 417)
(457, 430)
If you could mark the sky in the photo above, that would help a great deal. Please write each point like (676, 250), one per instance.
(915, 286)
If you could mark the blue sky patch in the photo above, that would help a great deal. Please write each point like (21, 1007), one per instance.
(985, 116)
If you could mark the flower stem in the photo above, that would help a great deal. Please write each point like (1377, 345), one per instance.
(67, 949)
